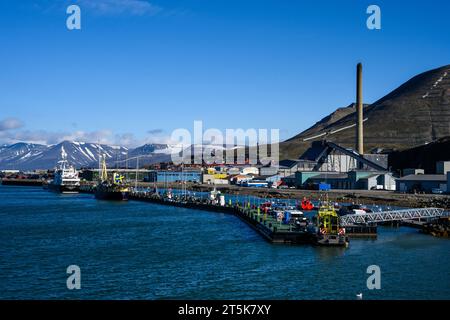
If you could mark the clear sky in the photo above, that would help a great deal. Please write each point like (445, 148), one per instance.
(139, 69)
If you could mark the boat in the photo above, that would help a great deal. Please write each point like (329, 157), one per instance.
(353, 209)
(111, 189)
(66, 179)
(307, 205)
(328, 232)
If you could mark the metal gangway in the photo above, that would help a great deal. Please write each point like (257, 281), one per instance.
(395, 215)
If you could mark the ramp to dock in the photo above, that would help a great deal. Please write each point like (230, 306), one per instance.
(395, 215)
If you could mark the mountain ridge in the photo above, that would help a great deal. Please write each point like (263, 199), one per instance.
(29, 156)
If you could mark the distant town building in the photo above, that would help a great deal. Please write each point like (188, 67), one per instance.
(177, 176)
(363, 180)
(448, 182)
(423, 183)
(250, 170)
(442, 167)
(268, 170)
(215, 179)
(409, 171)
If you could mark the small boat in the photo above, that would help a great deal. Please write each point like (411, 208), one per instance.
(328, 231)
(114, 189)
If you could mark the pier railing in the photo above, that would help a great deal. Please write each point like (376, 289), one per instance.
(396, 215)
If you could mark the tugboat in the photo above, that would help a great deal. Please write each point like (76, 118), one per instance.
(328, 232)
(114, 189)
(66, 178)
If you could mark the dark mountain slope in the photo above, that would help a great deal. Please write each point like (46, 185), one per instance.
(415, 113)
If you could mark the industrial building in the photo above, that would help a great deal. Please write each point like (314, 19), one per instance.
(448, 182)
(415, 180)
(338, 167)
(327, 156)
(177, 176)
(423, 183)
(363, 180)
(442, 167)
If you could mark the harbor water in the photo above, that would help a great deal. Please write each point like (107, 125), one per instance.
(138, 250)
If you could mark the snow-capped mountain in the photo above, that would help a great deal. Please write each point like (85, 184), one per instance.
(18, 154)
(146, 154)
(25, 156)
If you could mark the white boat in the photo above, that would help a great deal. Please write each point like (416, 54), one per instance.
(66, 178)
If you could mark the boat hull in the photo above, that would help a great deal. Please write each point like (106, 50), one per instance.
(63, 188)
(331, 240)
(112, 195)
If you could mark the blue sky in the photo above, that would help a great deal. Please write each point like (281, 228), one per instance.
(139, 69)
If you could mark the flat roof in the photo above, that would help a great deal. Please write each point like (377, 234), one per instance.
(330, 176)
(424, 177)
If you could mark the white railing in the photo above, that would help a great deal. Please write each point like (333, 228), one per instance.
(396, 215)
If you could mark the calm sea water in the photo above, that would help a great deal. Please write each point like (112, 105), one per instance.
(143, 251)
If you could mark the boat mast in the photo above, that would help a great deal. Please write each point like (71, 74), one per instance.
(183, 186)
(99, 161)
(137, 172)
(104, 173)
(126, 166)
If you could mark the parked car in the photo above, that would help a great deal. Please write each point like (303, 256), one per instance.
(437, 191)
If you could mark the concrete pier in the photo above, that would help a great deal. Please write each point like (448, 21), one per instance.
(267, 226)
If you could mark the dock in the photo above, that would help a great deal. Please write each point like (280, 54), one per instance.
(267, 226)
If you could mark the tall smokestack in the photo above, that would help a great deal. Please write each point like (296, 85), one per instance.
(359, 110)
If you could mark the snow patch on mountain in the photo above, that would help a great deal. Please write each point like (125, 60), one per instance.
(26, 156)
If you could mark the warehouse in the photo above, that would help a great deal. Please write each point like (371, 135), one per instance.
(176, 176)
(356, 179)
(423, 183)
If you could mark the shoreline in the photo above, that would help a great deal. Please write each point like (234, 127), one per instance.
(367, 197)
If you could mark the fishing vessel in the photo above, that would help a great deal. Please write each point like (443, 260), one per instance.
(66, 179)
(111, 189)
(328, 232)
